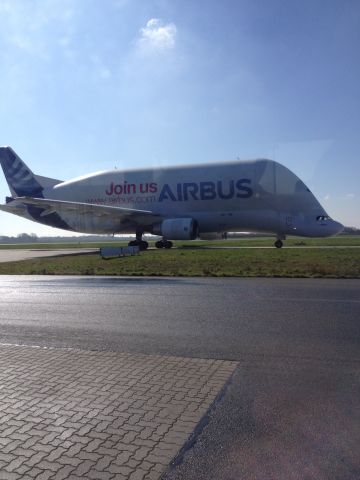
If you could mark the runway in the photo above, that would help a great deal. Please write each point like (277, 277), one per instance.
(292, 408)
(201, 317)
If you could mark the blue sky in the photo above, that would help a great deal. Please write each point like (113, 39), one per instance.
(87, 85)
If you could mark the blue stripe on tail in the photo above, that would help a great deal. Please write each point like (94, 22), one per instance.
(20, 178)
(23, 183)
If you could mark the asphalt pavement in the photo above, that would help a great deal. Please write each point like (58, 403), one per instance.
(292, 408)
(19, 254)
(198, 317)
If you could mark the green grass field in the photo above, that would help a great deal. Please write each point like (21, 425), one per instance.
(190, 259)
(346, 240)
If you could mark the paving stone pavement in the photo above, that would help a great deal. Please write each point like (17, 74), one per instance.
(71, 414)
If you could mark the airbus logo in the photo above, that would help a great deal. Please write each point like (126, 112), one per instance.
(207, 190)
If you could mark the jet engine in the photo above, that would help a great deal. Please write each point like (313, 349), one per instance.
(177, 229)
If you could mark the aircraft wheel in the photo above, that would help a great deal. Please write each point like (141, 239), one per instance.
(168, 244)
(159, 244)
(278, 244)
(143, 245)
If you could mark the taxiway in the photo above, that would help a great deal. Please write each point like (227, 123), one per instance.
(291, 409)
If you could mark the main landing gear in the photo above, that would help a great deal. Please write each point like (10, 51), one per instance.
(163, 244)
(139, 242)
(279, 243)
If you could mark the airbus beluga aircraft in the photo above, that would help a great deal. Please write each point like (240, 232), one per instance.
(177, 203)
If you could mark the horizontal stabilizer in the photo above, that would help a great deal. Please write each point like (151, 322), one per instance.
(47, 182)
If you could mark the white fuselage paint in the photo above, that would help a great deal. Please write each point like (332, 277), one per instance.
(258, 195)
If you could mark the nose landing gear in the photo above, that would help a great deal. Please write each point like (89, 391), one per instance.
(279, 241)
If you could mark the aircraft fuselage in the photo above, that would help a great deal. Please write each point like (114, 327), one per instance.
(256, 196)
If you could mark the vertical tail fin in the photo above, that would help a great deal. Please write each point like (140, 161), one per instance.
(21, 180)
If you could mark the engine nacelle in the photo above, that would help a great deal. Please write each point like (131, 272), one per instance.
(177, 229)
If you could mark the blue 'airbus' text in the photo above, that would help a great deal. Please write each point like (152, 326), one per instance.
(183, 192)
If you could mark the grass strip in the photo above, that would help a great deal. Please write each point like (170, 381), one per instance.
(341, 240)
(312, 263)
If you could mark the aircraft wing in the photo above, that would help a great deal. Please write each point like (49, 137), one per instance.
(65, 207)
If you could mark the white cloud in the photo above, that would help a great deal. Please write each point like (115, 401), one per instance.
(157, 36)
(350, 196)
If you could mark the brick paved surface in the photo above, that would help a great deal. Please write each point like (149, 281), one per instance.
(69, 414)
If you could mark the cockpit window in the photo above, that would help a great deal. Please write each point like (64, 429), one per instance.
(321, 218)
